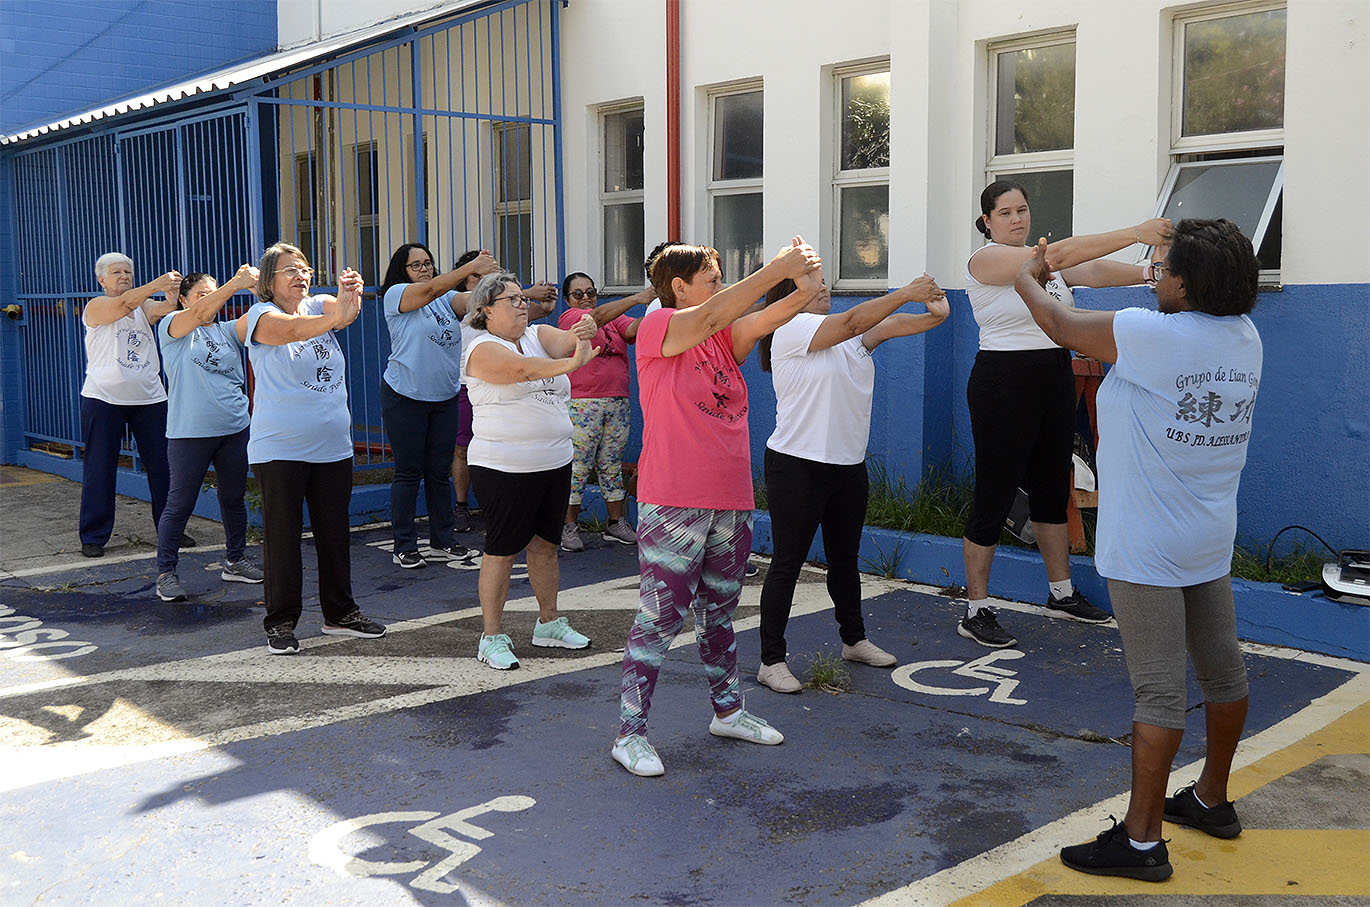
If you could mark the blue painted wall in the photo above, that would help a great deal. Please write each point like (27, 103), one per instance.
(11, 378)
(61, 57)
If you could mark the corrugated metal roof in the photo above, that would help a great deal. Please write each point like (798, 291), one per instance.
(243, 73)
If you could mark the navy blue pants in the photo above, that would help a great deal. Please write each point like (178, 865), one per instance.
(102, 431)
(421, 435)
(189, 460)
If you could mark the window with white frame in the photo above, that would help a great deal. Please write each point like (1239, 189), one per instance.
(366, 205)
(736, 169)
(1032, 126)
(861, 184)
(1227, 123)
(621, 197)
(514, 198)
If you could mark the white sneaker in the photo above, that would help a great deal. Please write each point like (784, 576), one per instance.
(746, 726)
(778, 678)
(638, 756)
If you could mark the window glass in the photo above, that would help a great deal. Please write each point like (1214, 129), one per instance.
(866, 121)
(623, 235)
(1234, 73)
(1035, 100)
(737, 234)
(1051, 197)
(865, 231)
(1236, 190)
(515, 163)
(516, 244)
(623, 137)
(737, 136)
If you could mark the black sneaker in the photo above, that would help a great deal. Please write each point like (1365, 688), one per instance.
(1111, 854)
(409, 560)
(93, 550)
(461, 519)
(1185, 809)
(984, 628)
(751, 570)
(282, 641)
(355, 624)
(453, 552)
(187, 541)
(1076, 607)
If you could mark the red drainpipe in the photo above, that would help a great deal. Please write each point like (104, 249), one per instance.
(673, 119)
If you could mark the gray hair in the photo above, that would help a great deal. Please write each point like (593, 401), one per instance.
(104, 262)
(483, 296)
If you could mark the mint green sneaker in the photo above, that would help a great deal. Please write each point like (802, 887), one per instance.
(495, 651)
(558, 635)
(638, 756)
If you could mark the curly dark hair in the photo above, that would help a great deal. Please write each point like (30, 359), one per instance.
(1217, 264)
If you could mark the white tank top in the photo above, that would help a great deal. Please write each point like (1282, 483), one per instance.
(1004, 320)
(122, 365)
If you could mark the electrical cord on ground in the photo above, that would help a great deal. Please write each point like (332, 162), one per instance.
(1271, 549)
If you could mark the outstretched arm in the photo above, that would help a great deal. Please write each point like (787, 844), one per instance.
(419, 294)
(207, 307)
(861, 319)
(1087, 332)
(608, 311)
(109, 309)
(750, 328)
(998, 265)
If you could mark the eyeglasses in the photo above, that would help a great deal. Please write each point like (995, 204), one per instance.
(420, 266)
(293, 271)
(584, 294)
(518, 302)
(1158, 272)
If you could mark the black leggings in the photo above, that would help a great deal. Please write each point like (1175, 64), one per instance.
(1022, 413)
(802, 496)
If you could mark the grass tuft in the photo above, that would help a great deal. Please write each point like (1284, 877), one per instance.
(828, 674)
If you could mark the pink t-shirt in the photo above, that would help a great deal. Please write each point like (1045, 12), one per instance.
(607, 374)
(696, 451)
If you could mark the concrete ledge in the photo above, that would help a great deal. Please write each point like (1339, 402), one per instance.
(1265, 612)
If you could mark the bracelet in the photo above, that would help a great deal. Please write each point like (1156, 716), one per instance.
(1138, 234)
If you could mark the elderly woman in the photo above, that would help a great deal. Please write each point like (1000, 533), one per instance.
(816, 457)
(300, 445)
(123, 390)
(419, 401)
(520, 454)
(599, 406)
(695, 495)
(207, 422)
(1170, 458)
(1021, 395)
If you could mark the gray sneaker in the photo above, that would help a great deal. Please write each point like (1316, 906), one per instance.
(169, 588)
(570, 538)
(241, 571)
(620, 531)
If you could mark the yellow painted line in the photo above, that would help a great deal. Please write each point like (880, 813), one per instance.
(1310, 862)
(11, 477)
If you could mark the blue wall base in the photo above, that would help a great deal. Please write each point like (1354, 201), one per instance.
(1265, 612)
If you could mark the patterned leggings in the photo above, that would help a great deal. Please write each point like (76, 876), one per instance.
(690, 558)
(599, 432)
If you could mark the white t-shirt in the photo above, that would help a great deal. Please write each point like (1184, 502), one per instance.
(1174, 419)
(122, 364)
(520, 427)
(822, 399)
(1004, 319)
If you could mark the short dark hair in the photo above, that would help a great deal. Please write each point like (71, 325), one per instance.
(1219, 267)
(652, 255)
(398, 269)
(467, 256)
(266, 268)
(566, 284)
(681, 261)
(188, 283)
(990, 197)
(773, 295)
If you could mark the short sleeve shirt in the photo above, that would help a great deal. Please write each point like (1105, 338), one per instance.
(607, 374)
(204, 370)
(822, 399)
(425, 348)
(519, 427)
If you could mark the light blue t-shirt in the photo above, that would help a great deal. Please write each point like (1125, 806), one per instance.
(299, 395)
(204, 370)
(1174, 421)
(425, 348)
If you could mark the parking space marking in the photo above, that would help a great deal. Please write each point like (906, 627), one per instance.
(981, 668)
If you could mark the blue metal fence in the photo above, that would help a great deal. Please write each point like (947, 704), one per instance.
(448, 135)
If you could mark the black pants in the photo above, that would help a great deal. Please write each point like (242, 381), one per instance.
(804, 495)
(102, 432)
(421, 435)
(286, 486)
(190, 459)
(1022, 413)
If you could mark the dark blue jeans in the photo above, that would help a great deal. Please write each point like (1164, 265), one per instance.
(421, 436)
(102, 430)
(189, 459)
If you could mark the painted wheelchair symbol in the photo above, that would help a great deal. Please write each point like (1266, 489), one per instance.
(325, 848)
(982, 668)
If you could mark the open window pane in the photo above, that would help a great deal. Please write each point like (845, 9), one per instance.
(865, 233)
(737, 136)
(1234, 73)
(623, 151)
(1243, 191)
(866, 121)
(737, 234)
(1035, 100)
(623, 234)
(1051, 197)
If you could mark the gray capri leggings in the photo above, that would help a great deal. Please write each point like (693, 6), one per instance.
(1158, 624)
